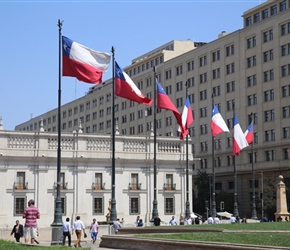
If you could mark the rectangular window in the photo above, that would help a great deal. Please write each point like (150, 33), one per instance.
(169, 207)
(20, 180)
(98, 206)
(19, 205)
(134, 205)
(134, 182)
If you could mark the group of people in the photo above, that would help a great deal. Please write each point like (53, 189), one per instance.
(139, 222)
(30, 230)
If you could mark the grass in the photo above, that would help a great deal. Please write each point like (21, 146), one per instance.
(10, 245)
(252, 235)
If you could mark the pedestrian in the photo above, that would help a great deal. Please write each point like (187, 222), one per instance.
(209, 220)
(78, 227)
(157, 221)
(173, 222)
(233, 220)
(116, 226)
(66, 232)
(94, 229)
(188, 220)
(30, 214)
(181, 220)
(216, 220)
(17, 231)
(140, 223)
(137, 221)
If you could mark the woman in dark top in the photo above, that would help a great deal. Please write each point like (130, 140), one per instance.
(17, 231)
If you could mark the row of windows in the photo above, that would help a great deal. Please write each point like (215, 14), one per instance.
(267, 12)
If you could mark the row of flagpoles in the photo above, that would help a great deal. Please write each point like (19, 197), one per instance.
(89, 66)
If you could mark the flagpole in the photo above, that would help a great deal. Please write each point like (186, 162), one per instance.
(113, 215)
(254, 211)
(213, 172)
(236, 211)
(155, 209)
(187, 204)
(57, 223)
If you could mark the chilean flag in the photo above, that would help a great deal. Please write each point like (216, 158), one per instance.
(249, 133)
(83, 63)
(126, 88)
(187, 118)
(239, 138)
(218, 124)
(164, 102)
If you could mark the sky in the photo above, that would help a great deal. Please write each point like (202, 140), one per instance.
(30, 41)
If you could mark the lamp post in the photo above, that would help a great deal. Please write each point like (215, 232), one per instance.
(57, 223)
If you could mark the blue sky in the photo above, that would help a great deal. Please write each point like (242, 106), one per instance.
(29, 41)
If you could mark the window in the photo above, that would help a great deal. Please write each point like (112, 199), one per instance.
(202, 61)
(168, 121)
(98, 206)
(230, 68)
(251, 42)
(20, 180)
(168, 185)
(265, 14)
(269, 95)
(269, 115)
(179, 86)
(190, 66)
(19, 205)
(203, 112)
(179, 102)
(168, 90)
(134, 185)
(270, 135)
(256, 17)
(285, 111)
(286, 91)
(285, 133)
(273, 10)
(231, 185)
(282, 5)
(168, 74)
(203, 95)
(190, 82)
(169, 207)
(216, 91)
(249, 21)
(203, 78)
(203, 163)
(216, 73)
(217, 144)
(216, 56)
(269, 75)
(251, 61)
(203, 129)
(268, 55)
(134, 205)
(230, 105)
(285, 152)
(268, 36)
(256, 183)
(203, 147)
(270, 155)
(230, 86)
(285, 70)
(82, 107)
(250, 157)
(98, 185)
(252, 99)
(285, 49)
(252, 80)
(179, 70)
(230, 50)
(62, 181)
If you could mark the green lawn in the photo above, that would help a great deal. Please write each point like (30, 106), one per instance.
(10, 245)
(249, 237)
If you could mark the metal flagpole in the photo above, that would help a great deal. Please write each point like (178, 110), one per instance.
(113, 215)
(213, 173)
(236, 211)
(57, 223)
(155, 209)
(254, 211)
(187, 204)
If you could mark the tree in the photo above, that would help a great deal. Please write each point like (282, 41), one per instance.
(202, 183)
(269, 197)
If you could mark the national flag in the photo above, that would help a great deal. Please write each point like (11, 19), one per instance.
(83, 63)
(249, 133)
(187, 118)
(218, 124)
(164, 102)
(126, 88)
(239, 139)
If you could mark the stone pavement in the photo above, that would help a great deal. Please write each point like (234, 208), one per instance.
(45, 237)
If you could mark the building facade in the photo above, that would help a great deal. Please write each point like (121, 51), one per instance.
(247, 71)
(28, 170)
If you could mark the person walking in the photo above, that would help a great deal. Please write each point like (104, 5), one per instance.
(66, 232)
(78, 227)
(94, 229)
(17, 231)
(30, 214)
(173, 222)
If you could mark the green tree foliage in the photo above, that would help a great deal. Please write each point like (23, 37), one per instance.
(269, 199)
(202, 183)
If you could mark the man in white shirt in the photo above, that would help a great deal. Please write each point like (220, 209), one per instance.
(233, 219)
(209, 220)
(188, 220)
(66, 231)
(216, 220)
(116, 226)
(173, 222)
(94, 230)
(78, 226)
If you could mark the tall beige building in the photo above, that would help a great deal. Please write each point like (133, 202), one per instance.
(248, 70)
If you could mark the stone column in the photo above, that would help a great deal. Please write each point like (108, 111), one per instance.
(281, 204)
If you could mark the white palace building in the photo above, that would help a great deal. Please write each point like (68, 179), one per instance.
(28, 170)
